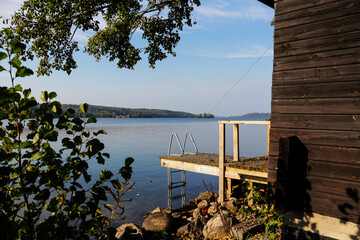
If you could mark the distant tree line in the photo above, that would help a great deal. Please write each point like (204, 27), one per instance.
(116, 112)
(251, 116)
(204, 115)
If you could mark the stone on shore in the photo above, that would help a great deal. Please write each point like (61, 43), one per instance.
(208, 196)
(215, 229)
(192, 229)
(157, 222)
(196, 213)
(129, 231)
(203, 204)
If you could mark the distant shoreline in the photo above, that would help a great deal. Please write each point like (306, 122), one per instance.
(118, 112)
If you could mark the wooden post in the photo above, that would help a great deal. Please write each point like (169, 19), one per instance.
(228, 188)
(268, 140)
(236, 142)
(221, 162)
(251, 194)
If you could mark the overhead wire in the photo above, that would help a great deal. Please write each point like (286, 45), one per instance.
(241, 78)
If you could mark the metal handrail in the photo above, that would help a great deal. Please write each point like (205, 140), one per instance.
(177, 138)
(193, 141)
(182, 147)
(182, 183)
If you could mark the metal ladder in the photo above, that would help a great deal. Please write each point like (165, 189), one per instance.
(182, 183)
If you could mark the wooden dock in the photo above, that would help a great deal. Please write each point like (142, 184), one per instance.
(249, 169)
(253, 170)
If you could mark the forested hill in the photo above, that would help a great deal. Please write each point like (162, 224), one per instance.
(116, 112)
(251, 116)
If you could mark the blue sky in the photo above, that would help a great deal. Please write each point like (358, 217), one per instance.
(211, 57)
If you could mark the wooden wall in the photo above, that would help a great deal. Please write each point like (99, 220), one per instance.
(316, 97)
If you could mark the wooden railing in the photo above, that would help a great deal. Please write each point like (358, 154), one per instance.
(235, 148)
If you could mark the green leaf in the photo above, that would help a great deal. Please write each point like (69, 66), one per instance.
(15, 62)
(99, 132)
(84, 107)
(91, 120)
(69, 112)
(116, 184)
(43, 195)
(54, 109)
(128, 161)
(86, 134)
(2, 133)
(18, 88)
(100, 159)
(125, 172)
(37, 156)
(3, 55)
(52, 95)
(24, 72)
(7, 32)
(77, 140)
(36, 138)
(2, 68)
(105, 175)
(44, 96)
(87, 177)
(24, 145)
(26, 93)
(17, 46)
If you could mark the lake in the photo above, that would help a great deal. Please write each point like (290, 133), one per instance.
(148, 138)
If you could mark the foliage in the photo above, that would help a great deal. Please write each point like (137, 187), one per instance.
(50, 26)
(112, 112)
(255, 115)
(47, 193)
(204, 115)
(262, 211)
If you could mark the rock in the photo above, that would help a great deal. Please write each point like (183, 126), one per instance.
(212, 210)
(234, 200)
(157, 222)
(225, 213)
(193, 229)
(160, 209)
(196, 213)
(176, 215)
(184, 230)
(203, 204)
(129, 231)
(246, 228)
(231, 204)
(215, 228)
(209, 196)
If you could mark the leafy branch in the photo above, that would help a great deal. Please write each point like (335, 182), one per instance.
(41, 189)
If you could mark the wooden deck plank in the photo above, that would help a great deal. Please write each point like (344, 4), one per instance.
(249, 169)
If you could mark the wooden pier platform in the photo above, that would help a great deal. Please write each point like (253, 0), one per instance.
(250, 169)
(253, 170)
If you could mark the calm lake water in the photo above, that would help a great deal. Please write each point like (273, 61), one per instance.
(147, 139)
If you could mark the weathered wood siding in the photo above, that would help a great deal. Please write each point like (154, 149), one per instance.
(316, 97)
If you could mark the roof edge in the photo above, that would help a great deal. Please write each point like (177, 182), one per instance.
(269, 3)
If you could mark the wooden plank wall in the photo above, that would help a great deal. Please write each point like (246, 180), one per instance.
(316, 97)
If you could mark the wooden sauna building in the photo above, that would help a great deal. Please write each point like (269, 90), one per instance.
(314, 162)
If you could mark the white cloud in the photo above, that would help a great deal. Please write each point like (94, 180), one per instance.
(82, 37)
(239, 11)
(254, 50)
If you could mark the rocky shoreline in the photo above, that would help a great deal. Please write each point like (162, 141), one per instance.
(204, 218)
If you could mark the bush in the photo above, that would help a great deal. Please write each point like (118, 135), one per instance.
(47, 193)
